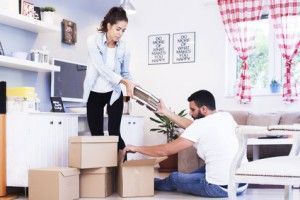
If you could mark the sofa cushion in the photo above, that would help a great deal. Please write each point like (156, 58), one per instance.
(239, 116)
(263, 119)
(290, 118)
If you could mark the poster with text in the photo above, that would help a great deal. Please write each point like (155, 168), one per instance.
(159, 49)
(184, 47)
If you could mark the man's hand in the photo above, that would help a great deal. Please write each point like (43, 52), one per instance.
(161, 108)
(130, 149)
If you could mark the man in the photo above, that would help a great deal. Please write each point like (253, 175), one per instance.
(212, 133)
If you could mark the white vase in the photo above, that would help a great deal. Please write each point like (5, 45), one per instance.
(48, 17)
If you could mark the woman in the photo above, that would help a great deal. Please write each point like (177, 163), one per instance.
(108, 61)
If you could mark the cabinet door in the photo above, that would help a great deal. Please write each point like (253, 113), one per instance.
(17, 151)
(70, 128)
(41, 128)
(132, 131)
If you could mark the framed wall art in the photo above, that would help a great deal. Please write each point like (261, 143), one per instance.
(184, 47)
(26, 8)
(159, 49)
(69, 32)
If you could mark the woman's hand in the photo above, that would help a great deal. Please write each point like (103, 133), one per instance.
(129, 87)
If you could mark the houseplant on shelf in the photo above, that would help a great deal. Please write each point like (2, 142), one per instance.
(48, 14)
(274, 86)
(172, 131)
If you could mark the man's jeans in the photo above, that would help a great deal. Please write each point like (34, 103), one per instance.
(191, 183)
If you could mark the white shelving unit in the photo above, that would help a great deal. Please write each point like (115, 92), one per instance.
(15, 63)
(26, 23)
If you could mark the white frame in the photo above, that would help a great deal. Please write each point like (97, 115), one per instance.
(156, 55)
(186, 41)
(52, 82)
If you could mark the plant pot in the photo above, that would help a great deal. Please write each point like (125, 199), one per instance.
(170, 164)
(48, 17)
(275, 88)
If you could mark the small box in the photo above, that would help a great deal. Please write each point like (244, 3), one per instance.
(96, 183)
(93, 151)
(53, 184)
(136, 177)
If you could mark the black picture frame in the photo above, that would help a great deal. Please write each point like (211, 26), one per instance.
(37, 13)
(69, 32)
(1, 50)
(57, 104)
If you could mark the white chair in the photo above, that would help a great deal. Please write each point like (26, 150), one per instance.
(282, 170)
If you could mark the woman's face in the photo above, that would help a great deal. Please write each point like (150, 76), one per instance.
(115, 31)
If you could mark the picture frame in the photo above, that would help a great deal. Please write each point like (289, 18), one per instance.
(69, 32)
(184, 47)
(1, 50)
(158, 49)
(57, 104)
(37, 13)
(26, 8)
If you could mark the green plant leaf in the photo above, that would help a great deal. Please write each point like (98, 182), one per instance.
(155, 129)
(155, 120)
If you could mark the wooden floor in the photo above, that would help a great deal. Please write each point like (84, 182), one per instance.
(251, 194)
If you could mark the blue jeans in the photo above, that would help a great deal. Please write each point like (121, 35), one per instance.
(191, 183)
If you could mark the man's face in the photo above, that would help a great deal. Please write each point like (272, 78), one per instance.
(195, 111)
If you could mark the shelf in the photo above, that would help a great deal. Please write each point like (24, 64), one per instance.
(15, 63)
(26, 23)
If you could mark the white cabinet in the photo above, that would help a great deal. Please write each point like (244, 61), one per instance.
(132, 131)
(37, 140)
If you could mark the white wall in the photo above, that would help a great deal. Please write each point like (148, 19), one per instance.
(175, 82)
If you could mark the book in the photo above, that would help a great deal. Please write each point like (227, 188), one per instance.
(144, 97)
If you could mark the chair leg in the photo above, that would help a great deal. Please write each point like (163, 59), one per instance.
(288, 193)
(232, 189)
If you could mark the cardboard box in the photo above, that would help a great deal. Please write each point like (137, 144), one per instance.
(93, 151)
(96, 183)
(53, 184)
(136, 177)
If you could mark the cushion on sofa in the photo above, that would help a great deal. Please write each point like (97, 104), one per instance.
(263, 119)
(239, 116)
(290, 118)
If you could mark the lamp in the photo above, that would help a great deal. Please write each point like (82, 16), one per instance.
(128, 7)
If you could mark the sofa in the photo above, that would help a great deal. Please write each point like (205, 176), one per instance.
(189, 161)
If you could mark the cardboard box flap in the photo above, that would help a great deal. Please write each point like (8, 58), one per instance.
(143, 162)
(94, 139)
(159, 159)
(65, 171)
(102, 170)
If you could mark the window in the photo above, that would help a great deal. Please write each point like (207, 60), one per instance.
(265, 61)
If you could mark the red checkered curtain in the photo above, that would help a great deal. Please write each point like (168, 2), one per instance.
(286, 21)
(237, 16)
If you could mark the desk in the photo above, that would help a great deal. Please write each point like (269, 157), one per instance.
(272, 141)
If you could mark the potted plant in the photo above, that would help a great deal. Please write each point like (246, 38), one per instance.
(172, 131)
(274, 86)
(48, 14)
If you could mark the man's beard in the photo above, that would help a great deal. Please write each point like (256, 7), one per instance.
(199, 116)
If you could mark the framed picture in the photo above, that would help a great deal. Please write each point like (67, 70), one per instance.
(184, 47)
(57, 104)
(37, 13)
(26, 8)
(69, 32)
(159, 49)
(1, 50)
